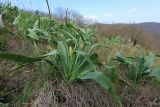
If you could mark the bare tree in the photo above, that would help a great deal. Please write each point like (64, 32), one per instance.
(68, 15)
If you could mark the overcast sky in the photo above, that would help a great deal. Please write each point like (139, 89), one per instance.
(107, 11)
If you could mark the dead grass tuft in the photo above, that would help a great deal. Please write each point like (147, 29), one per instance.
(87, 94)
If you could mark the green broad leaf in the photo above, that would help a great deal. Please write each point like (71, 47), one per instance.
(63, 51)
(69, 40)
(36, 24)
(82, 53)
(86, 56)
(52, 53)
(120, 57)
(155, 73)
(77, 29)
(43, 33)
(69, 34)
(1, 22)
(19, 58)
(84, 72)
(18, 66)
(94, 46)
(104, 81)
(97, 45)
(32, 34)
(99, 77)
(149, 61)
(64, 56)
(16, 20)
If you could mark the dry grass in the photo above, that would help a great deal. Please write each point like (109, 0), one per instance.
(127, 49)
(146, 39)
(145, 95)
(87, 94)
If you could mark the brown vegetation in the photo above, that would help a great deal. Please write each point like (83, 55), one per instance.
(130, 33)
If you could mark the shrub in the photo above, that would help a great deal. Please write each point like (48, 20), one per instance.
(138, 67)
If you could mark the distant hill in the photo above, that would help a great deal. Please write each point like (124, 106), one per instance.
(146, 34)
(151, 27)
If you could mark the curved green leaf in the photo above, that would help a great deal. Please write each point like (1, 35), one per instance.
(20, 58)
(155, 73)
(103, 80)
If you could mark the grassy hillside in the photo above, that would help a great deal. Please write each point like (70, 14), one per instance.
(46, 62)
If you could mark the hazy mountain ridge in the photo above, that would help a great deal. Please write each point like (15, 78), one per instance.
(151, 27)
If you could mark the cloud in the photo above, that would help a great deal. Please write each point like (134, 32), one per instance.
(86, 9)
(133, 10)
(99, 16)
(93, 17)
(108, 14)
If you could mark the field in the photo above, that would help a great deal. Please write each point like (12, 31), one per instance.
(46, 62)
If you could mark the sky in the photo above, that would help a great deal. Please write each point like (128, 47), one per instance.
(104, 11)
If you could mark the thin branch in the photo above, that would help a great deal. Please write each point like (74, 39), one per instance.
(49, 13)
(66, 15)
